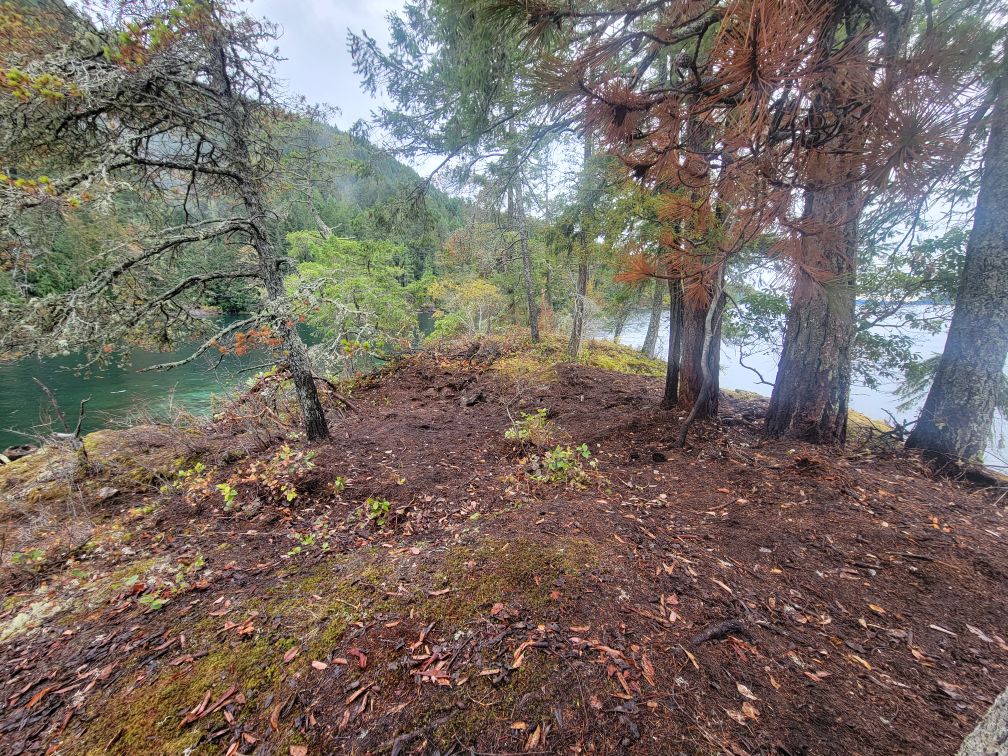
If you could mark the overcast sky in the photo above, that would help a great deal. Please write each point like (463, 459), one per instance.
(314, 42)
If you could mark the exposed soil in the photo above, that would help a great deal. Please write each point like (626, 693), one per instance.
(736, 596)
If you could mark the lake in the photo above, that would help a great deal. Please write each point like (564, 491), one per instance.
(871, 402)
(117, 394)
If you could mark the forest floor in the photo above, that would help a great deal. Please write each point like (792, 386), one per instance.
(734, 597)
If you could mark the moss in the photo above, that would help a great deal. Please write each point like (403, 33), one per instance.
(861, 422)
(527, 695)
(495, 570)
(620, 359)
(40, 478)
(539, 361)
(149, 717)
(29, 619)
(526, 367)
(142, 454)
(743, 395)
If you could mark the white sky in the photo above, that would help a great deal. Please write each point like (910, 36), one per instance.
(314, 42)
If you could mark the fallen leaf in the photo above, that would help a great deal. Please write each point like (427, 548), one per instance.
(980, 634)
(291, 653)
(745, 692)
(519, 725)
(319, 665)
(533, 740)
(691, 658)
(950, 690)
(750, 711)
(859, 660)
(441, 592)
(361, 656)
(38, 696)
(298, 750)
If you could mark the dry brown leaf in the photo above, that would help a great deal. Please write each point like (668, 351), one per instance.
(533, 740)
(746, 693)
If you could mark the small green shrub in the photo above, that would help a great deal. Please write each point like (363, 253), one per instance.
(533, 429)
(229, 493)
(563, 464)
(31, 556)
(377, 510)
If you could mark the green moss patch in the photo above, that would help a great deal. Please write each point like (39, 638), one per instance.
(514, 572)
(539, 361)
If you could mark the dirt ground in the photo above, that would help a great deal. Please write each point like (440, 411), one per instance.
(733, 597)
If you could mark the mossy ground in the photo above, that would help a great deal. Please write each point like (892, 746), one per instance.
(310, 610)
(539, 361)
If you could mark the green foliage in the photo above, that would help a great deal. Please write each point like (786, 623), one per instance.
(535, 429)
(465, 305)
(354, 292)
(229, 493)
(29, 556)
(377, 510)
(563, 464)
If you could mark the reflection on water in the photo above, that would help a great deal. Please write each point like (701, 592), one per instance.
(120, 394)
(116, 393)
(872, 402)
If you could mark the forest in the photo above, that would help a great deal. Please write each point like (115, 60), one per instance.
(437, 506)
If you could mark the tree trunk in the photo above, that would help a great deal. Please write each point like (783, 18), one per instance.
(619, 325)
(712, 326)
(297, 360)
(671, 398)
(694, 367)
(295, 352)
(577, 325)
(810, 394)
(530, 294)
(654, 323)
(955, 422)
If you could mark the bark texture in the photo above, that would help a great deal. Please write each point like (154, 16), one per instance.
(577, 324)
(523, 236)
(654, 322)
(810, 394)
(955, 423)
(671, 397)
(692, 369)
(294, 349)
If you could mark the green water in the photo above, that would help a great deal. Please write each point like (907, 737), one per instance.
(121, 395)
(118, 394)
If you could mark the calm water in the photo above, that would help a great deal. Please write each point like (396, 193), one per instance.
(118, 394)
(872, 402)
